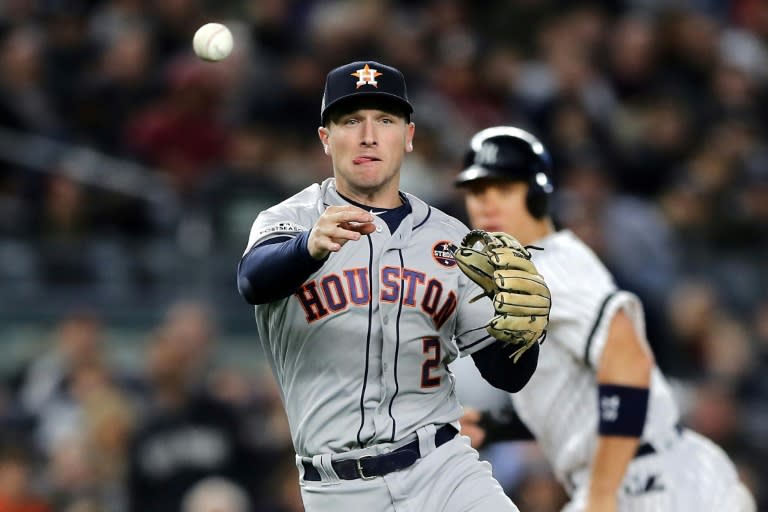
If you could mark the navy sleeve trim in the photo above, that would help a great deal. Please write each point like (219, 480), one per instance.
(467, 347)
(595, 325)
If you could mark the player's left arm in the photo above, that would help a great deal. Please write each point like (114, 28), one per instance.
(498, 366)
(623, 377)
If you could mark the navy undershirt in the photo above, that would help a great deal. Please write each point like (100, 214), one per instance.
(274, 269)
(392, 216)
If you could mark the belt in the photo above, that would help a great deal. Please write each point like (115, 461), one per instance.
(648, 449)
(371, 466)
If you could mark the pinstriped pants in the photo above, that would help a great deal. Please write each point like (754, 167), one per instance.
(693, 474)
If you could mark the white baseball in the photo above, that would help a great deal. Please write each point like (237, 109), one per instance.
(212, 41)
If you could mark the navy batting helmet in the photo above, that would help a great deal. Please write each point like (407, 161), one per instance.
(512, 154)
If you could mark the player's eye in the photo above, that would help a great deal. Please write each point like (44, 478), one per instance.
(508, 188)
(477, 190)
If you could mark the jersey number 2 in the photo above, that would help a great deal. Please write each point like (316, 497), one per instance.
(431, 346)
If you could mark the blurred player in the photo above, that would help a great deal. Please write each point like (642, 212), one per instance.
(598, 405)
(360, 306)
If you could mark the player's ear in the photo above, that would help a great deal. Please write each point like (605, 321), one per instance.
(322, 132)
(410, 130)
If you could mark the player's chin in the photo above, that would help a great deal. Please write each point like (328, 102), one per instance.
(370, 178)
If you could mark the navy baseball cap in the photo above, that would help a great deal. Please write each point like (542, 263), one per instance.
(364, 79)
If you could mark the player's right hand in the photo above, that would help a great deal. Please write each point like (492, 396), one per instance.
(337, 226)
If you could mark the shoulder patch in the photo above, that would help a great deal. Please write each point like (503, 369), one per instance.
(442, 252)
(281, 227)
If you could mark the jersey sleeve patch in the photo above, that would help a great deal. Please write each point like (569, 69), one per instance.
(280, 227)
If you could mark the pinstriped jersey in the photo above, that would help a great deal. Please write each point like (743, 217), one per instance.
(360, 351)
(559, 404)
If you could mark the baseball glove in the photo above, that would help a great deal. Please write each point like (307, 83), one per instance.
(502, 267)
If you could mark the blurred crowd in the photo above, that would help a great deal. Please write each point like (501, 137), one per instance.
(129, 169)
(174, 432)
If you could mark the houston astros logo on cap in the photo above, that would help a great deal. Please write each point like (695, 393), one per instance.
(366, 75)
(348, 83)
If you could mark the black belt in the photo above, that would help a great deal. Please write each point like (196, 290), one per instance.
(648, 449)
(372, 466)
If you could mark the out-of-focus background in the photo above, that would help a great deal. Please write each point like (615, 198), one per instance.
(130, 174)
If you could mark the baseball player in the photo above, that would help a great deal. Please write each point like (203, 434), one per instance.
(598, 406)
(360, 305)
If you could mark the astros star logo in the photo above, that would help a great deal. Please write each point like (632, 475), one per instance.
(366, 75)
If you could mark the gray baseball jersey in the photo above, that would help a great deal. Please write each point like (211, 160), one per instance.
(559, 403)
(360, 351)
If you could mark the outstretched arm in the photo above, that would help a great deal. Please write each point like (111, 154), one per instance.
(623, 376)
(274, 269)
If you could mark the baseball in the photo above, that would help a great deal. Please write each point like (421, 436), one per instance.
(212, 41)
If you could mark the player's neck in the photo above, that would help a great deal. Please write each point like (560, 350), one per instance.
(381, 198)
(536, 230)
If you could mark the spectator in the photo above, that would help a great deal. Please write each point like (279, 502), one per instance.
(78, 344)
(186, 435)
(182, 133)
(15, 481)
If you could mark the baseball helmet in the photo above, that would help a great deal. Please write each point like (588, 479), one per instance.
(510, 154)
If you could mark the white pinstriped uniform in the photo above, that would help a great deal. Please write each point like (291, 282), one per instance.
(559, 404)
(360, 354)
